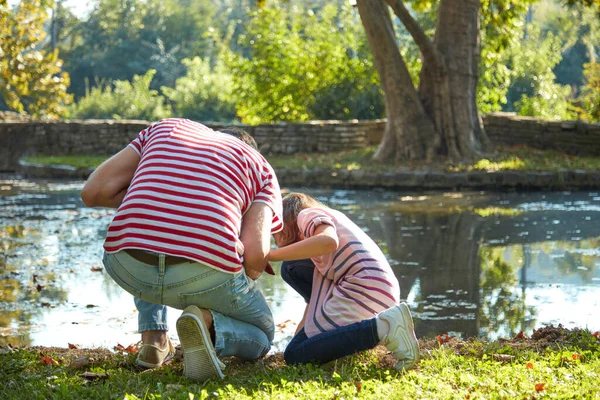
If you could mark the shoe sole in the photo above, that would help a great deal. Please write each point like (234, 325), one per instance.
(411, 340)
(199, 361)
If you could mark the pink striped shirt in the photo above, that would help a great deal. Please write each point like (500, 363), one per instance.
(353, 283)
(188, 195)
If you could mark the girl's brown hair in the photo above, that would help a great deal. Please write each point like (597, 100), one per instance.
(293, 203)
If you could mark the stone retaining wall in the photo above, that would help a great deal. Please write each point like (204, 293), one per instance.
(105, 137)
(565, 179)
(571, 137)
(101, 137)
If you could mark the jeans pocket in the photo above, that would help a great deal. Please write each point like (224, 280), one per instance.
(119, 274)
(218, 298)
(243, 290)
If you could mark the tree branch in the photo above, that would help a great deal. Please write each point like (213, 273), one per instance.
(412, 26)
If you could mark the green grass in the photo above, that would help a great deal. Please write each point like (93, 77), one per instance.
(502, 158)
(520, 368)
(77, 161)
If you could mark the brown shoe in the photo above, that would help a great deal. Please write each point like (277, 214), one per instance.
(153, 357)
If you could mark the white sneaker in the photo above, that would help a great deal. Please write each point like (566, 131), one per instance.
(401, 339)
(200, 361)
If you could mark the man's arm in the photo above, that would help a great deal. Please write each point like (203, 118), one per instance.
(107, 185)
(256, 237)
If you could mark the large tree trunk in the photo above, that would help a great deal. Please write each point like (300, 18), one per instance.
(441, 119)
(449, 91)
(409, 131)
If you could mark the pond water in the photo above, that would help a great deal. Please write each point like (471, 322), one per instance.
(469, 263)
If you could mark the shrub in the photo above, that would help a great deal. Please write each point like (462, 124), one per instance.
(127, 100)
(204, 93)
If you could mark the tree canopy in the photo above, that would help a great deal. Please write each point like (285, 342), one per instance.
(277, 60)
(31, 79)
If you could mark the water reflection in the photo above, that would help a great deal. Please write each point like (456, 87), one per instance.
(476, 264)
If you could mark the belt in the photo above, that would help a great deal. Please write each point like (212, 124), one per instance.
(151, 258)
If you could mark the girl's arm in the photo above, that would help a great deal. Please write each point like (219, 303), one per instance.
(324, 241)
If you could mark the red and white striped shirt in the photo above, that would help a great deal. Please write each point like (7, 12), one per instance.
(188, 195)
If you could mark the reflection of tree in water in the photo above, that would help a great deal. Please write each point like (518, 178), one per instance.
(435, 255)
(502, 308)
(573, 257)
(26, 282)
(455, 285)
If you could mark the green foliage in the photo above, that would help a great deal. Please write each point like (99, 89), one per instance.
(591, 92)
(304, 65)
(31, 80)
(501, 29)
(122, 38)
(533, 91)
(127, 100)
(204, 93)
(578, 27)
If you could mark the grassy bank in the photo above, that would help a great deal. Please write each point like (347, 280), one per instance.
(554, 363)
(515, 158)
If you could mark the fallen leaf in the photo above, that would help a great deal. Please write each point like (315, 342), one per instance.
(131, 349)
(91, 376)
(443, 338)
(502, 357)
(39, 287)
(540, 386)
(358, 385)
(44, 304)
(80, 362)
(73, 346)
(96, 269)
(284, 324)
(530, 365)
(46, 360)
(520, 335)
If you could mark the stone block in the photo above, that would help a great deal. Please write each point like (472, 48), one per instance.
(544, 180)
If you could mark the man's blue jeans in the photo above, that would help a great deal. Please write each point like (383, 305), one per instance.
(330, 345)
(243, 322)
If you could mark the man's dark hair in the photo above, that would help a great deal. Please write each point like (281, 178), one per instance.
(240, 134)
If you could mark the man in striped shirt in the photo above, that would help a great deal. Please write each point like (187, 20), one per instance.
(195, 211)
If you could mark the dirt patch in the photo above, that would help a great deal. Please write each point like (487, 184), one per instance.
(541, 339)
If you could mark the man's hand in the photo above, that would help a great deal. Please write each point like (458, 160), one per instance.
(252, 274)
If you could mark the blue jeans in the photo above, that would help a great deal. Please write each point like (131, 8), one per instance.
(299, 275)
(331, 345)
(243, 322)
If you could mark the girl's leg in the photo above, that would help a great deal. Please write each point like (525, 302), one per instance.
(331, 345)
(299, 275)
